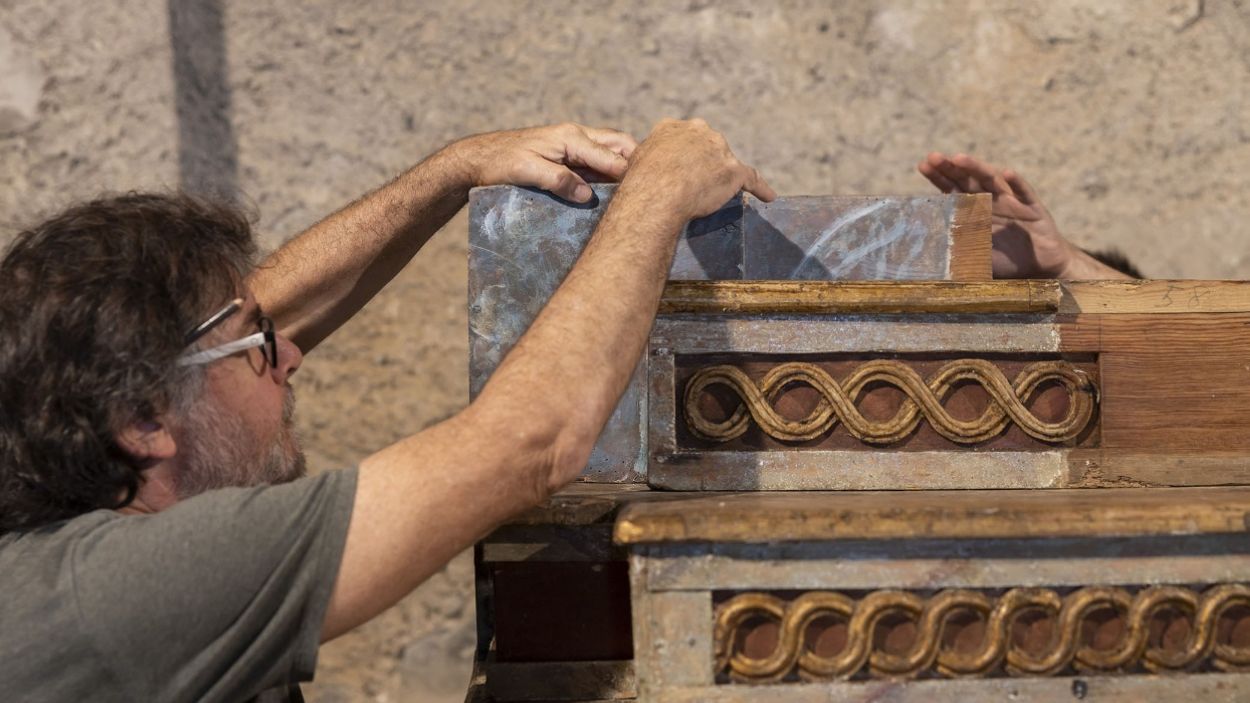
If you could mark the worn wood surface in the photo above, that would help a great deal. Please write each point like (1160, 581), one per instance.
(971, 239)
(1182, 400)
(919, 563)
(876, 297)
(673, 636)
(586, 503)
(1160, 296)
(823, 334)
(841, 470)
(1097, 468)
(765, 517)
(1212, 688)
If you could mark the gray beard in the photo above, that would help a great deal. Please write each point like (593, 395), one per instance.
(222, 451)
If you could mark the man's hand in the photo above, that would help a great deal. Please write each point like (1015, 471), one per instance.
(1027, 243)
(688, 167)
(560, 158)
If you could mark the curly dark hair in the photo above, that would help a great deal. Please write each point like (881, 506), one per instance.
(94, 305)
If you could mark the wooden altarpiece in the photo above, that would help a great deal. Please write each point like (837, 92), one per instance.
(852, 467)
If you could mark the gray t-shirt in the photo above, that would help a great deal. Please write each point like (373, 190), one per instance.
(219, 598)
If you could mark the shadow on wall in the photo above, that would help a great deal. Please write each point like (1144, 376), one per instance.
(208, 160)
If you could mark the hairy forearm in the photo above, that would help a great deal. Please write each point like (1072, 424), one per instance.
(578, 356)
(425, 499)
(317, 281)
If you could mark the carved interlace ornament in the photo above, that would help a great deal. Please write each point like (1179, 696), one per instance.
(997, 648)
(922, 398)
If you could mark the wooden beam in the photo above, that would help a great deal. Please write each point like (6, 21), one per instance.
(971, 239)
(1156, 297)
(859, 297)
(828, 516)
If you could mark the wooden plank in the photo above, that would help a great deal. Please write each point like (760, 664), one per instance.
(874, 297)
(828, 516)
(932, 564)
(560, 543)
(1206, 687)
(1162, 297)
(1101, 468)
(672, 636)
(1177, 400)
(585, 503)
(971, 239)
(1178, 333)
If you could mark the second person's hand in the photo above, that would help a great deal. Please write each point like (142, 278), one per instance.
(688, 166)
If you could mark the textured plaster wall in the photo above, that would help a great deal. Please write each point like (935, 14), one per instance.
(1131, 117)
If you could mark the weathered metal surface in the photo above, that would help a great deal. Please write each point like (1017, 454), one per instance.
(1212, 688)
(522, 242)
(850, 238)
(559, 681)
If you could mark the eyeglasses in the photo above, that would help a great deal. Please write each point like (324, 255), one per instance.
(266, 338)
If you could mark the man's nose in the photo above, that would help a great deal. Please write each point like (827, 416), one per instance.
(289, 358)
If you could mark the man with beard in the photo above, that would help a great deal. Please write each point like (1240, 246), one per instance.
(156, 541)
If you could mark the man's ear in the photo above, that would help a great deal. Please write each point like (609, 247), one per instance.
(147, 441)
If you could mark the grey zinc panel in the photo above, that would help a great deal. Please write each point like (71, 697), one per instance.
(523, 241)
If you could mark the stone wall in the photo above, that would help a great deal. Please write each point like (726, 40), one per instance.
(1131, 118)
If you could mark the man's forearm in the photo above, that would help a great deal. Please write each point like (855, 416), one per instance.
(317, 281)
(531, 430)
(421, 501)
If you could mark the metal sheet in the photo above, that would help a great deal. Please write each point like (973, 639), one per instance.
(848, 238)
(522, 242)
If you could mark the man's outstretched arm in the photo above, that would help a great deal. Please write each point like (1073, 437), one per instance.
(1027, 242)
(320, 279)
(530, 431)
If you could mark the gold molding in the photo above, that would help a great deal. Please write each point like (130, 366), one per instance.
(996, 648)
(923, 397)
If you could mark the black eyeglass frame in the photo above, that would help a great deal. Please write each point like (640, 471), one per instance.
(269, 336)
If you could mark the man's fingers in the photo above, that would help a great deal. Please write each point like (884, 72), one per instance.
(935, 177)
(964, 182)
(985, 174)
(755, 184)
(1024, 192)
(557, 178)
(581, 150)
(619, 142)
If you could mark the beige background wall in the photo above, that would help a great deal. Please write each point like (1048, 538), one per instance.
(1131, 117)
